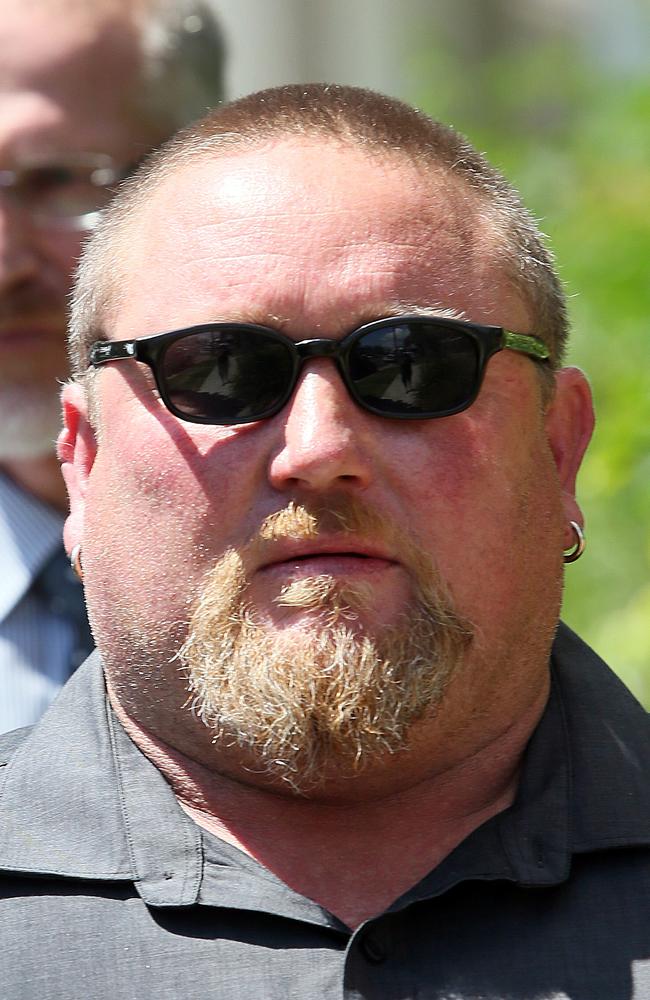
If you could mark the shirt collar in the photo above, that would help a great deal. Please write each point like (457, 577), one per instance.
(583, 788)
(99, 809)
(583, 784)
(608, 735)
(30, 532)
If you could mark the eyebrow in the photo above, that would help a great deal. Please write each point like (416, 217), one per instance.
(367, 314)
(436, 310)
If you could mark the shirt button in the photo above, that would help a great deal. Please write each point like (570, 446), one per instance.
(373, 950)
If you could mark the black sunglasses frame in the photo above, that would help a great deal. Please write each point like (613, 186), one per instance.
(489, 340)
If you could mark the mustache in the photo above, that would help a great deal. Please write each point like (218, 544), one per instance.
(340, 516)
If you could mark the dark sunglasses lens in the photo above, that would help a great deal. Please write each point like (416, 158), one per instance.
(414, 368)
(226, 376)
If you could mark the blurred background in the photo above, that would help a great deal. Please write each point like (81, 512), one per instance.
(557, 94)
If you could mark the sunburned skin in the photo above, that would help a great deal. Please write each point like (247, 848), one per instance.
(326, 237)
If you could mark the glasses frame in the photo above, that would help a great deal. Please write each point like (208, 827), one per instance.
(104, 173)
(489, 340)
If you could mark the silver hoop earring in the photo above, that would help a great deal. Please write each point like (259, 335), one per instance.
(571, 555)
(75, 562)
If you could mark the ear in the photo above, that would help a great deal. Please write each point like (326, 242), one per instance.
(76, 448)
(569, 425)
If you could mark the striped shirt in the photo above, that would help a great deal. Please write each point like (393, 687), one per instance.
(36, 641)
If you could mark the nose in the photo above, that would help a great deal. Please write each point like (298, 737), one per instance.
(17, 256)
(327, 441)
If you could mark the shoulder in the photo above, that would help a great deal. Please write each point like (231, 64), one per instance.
(10, 742)
(607, 735)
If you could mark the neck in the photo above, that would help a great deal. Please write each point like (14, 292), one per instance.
(354, 859)
(39, 476)
(356, 854)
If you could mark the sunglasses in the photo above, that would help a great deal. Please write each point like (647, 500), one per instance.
(405, 367)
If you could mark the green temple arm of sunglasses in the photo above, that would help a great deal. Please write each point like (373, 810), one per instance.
(525, 344)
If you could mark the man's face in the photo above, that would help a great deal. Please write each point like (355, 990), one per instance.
(314, 240)
(67, 78)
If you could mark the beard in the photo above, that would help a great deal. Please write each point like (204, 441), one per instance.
(30, 420)
(30, 405)
(302, 700)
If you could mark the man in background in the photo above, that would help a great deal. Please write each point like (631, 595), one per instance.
(87, 89)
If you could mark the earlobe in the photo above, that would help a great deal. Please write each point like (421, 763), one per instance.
(569, 426)
(76, 448)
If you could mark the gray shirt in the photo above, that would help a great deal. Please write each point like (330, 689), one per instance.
(108, 890)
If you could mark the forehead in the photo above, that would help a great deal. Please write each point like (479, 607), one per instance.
(68, 75)
(302, 230)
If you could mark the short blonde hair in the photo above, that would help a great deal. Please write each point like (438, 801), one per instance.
(382, 125)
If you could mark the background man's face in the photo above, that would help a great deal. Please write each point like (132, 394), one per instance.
(315, 240)
(67, 78)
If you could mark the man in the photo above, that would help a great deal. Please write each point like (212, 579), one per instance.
(321, 460)
(86, 90)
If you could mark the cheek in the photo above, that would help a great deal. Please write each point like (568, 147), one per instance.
(495, 456)
(483, 499)
(136, 538)
(173, 495)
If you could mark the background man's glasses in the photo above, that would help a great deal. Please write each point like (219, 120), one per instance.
(64, 191)
(406, 367)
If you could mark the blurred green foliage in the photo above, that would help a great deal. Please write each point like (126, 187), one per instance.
(574, 138)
